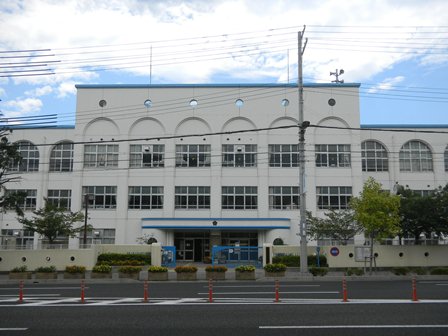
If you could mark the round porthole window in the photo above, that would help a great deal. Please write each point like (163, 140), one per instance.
(239, 103)
(47, 258)
(285, 102)
(148, 103)
(331, 102)
(102, 103)
(72, 258)
(23, 259)
(193, 103)
(350, 255)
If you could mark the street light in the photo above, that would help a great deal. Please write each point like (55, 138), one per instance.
(87, 197)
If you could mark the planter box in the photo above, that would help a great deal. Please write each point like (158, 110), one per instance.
(133, 276)
(19, 275)
(215, 275)
(97, 275)
(186, 276)
(46, 275)
(74, 275)
(157, 276)
(274, 274)
(244, 275)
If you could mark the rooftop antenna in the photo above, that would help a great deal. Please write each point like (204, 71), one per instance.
(337, 73)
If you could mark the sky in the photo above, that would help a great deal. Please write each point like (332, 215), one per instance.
(396, 50)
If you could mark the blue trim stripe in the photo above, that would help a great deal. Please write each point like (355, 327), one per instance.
(404, 126)
(189, 227)
(227, 219)
(230, 85)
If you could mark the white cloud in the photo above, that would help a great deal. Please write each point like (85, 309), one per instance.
(387, 84)
(40, 91)
(65, 89)
(19, 107)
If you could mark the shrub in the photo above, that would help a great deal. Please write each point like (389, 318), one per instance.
(245, 268)
(294, 261)
(218, 269)
(20, 269)
(400, 270)
(75, 269)
(157, 269)
(275, 267)
(129, 269)
(102, 268)
(186, 269)
(418, 270)
(439, 271)
(354, 271)
(46, 269)
(318, 271)
(120, 259)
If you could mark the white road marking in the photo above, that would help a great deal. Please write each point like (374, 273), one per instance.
(41, 288)
(267, 293)
(51, 302)
(33, 295)
(124, 300)
(386, 326)
(13, 329)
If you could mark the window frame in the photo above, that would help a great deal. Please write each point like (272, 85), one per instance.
(284, 198)
(144, 155)
(193, 155)
(413, 160)
(145, 197)
(283, 155)
(57, 199)
(327, 197)
(29, 162)
(239, 156)
(239, 198)
(30, 201)
(59, 160)
(191, 197)
(102, 197)
(333, 155)
(99, 158)
(374, 159)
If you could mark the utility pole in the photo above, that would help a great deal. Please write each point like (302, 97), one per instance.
(302, 127)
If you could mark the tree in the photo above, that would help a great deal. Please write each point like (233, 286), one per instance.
(51, 221)
(426, 214)
(9, 156)
(377, 211)
(339, 225)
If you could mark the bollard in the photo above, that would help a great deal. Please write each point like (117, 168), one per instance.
(210, 291)
(414, 290)
(82, 292)
(277, 295)
(21, 292)
(344, 291)
(145, 291)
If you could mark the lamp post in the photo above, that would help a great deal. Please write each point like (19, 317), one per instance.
(86, 206)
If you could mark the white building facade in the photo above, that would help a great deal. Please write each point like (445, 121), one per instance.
(200, 165)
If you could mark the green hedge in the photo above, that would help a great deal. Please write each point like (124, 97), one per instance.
(124, 259)
(294, 261)
(440, 271)
(318, 271)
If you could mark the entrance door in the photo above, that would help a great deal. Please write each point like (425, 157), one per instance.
(189, 250)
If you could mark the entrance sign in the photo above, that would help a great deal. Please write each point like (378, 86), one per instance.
(169, 256)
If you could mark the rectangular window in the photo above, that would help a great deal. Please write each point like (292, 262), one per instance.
(333, 197)
(98, 236)
(192, 197)
(145, 198)
(193, 155)
(17, 239)
(284, 198)
(239, 155)
(30, 200)
(239, 198)
(60, 198)
(101, 197)
(283, 155)
(333, 155)
(100, 156)
(146, 156)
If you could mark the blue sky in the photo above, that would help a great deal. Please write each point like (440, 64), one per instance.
(397, 50)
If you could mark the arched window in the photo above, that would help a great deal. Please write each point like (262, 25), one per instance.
(415, 156)
(374, 156)
(30, 157)
(61, 157)
(446, 158)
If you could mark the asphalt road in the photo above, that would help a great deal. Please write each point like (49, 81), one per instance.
(239, 308)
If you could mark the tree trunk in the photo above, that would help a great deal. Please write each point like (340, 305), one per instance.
(371, 253)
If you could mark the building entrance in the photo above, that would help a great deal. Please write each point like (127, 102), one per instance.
(192, 246)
